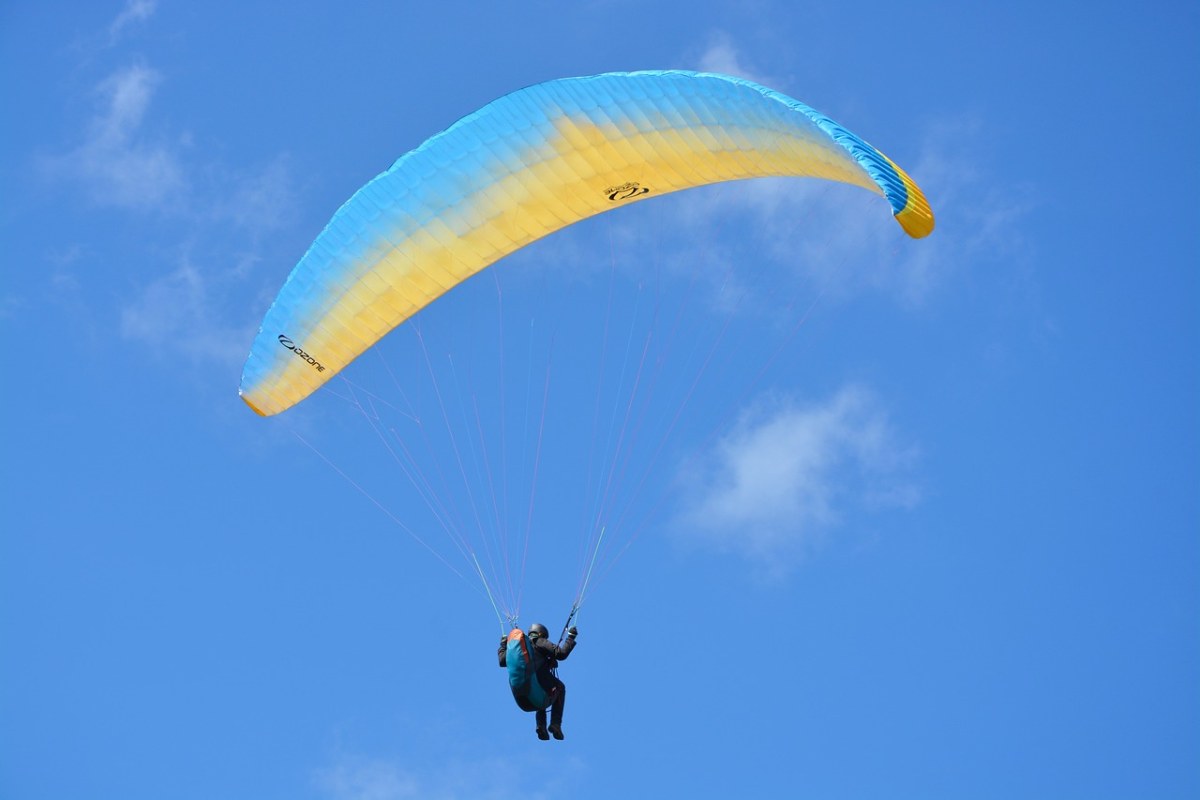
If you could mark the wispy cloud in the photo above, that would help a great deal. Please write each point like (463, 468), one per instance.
(119, 163)
(187, 301)
(179, 313)
(209, 217)
(721, 55)
(257, 201)
(367, 779)
(134, 13)
(189, 309)
(363, 778)
(980, 209)
(782, 480)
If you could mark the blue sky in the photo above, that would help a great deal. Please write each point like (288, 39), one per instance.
(928, 526)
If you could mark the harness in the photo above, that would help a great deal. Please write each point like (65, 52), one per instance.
(527, 691)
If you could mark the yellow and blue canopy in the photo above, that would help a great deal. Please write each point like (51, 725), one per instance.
(519, 169)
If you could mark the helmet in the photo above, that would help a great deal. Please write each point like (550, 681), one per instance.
(538, 631)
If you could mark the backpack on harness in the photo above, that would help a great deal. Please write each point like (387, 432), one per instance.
(522, 674)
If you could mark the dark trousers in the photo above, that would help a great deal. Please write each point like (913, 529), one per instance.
(552, 684)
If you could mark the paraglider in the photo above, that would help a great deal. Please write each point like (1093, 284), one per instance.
(532, 663)
(503, 177)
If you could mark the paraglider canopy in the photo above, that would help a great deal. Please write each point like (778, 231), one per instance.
(519, 169)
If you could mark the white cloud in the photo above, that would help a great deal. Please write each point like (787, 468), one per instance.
(259, 201)
(979, 214)
(190, 309)
(135, 12)
(722, 56)
(125, 160)
(362, 778)
(773, 488)
(179, 314)
(118, 163)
